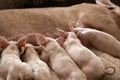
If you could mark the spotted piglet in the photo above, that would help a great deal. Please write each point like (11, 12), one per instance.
(58, 60)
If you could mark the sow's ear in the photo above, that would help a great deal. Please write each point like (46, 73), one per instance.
(21, 42)
(3, 43)
(40, 39)
(106, 3)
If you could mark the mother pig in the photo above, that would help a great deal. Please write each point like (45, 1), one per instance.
(25, 21)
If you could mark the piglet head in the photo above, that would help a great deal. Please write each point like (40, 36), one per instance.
(79, 27)
(61, 36)
(12, 46)
(43, 50)
(32, 40)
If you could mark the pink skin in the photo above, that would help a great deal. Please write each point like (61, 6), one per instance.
(40, 68)
(87, 40)
(83, 57)
(99, 40)
(58, 60)
(11, 66)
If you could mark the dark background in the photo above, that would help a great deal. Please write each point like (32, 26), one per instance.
(10, 4)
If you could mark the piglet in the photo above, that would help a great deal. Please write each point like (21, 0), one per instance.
(99, 40)
(40, 68)
(58, 60)
(11, 66)
(86, 60)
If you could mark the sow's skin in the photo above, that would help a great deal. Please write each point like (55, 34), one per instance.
(11, 66)
(58, 60)
(45, 20)
(86, 60)
(109, 60)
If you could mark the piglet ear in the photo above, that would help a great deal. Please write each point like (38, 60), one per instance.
(3, 43)
(61, 33)
(40, 39)
(79, 24)
(21, 42)
(71, 27)
(31, 38)
(106, 3)
(60, 41)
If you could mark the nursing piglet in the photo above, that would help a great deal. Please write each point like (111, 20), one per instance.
(100, 40)
(86, 60)
(58, 60)
(11, 66)
(40, 68)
